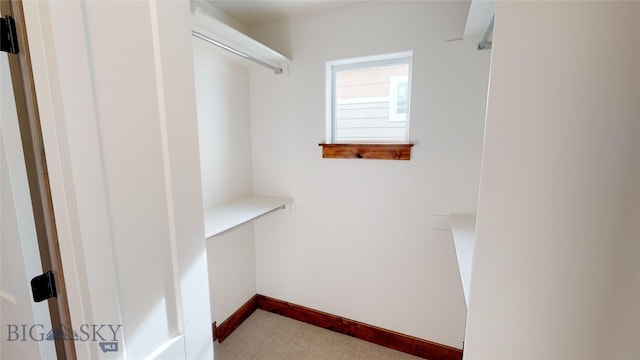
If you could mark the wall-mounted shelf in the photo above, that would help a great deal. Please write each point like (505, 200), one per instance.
(463, 227)
(235, 41)
(226, 217)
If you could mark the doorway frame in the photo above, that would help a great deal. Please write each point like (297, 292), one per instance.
(37, 175)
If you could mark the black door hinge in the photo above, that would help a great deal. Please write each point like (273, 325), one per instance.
(8, 35)
(43, 287)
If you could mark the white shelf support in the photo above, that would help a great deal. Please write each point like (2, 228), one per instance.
(222, 219)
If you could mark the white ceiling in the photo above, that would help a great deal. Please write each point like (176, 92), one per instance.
(251, 12)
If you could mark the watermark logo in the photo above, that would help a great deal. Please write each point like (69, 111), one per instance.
(109, 346)
(105, 335)
(61, 333)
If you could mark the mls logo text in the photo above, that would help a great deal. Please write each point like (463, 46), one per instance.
(106, 335)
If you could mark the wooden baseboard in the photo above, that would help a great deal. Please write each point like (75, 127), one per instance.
(391, 339)
(401, 342)
(226, 328)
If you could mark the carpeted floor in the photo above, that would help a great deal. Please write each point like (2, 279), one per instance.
(267, 336)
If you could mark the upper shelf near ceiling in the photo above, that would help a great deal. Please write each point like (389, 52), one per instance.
(205, 23)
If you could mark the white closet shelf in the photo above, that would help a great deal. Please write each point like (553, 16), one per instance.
(463, 228)
(226, 217)
(205, 24)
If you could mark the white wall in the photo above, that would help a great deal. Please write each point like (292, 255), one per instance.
(555, 272)
(222, 96)
(222, 93)
(624, 324)
(358, 241)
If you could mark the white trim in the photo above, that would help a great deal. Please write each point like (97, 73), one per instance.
(395, 81)
(329, 114)
(334, 95)
(363, 100)
(40, 21)
(384, 58)
(409, 86)
(164, 134)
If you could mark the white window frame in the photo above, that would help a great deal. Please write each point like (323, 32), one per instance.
(393, 98)
(333, 67)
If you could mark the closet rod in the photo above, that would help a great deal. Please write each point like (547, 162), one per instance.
(485, 44)
(276, 70)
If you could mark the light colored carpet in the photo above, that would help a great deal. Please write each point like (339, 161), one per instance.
(268, 336)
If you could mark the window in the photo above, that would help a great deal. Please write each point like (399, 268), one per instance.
(368, 100)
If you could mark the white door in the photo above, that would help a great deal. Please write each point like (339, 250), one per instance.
(114, 81)
(24, 323)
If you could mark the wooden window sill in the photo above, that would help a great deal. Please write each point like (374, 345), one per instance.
(367, 151)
